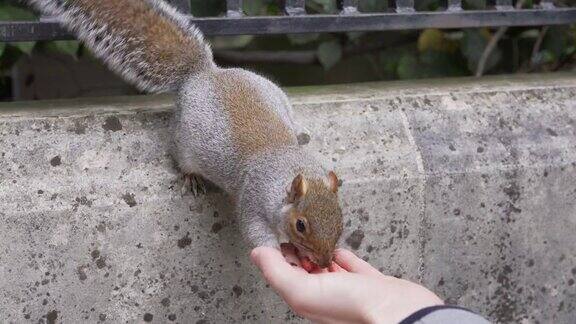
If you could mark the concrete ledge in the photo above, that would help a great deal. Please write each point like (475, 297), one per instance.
(467, 186)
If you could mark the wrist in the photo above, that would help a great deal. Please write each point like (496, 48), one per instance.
(381, 315)
(387, 307)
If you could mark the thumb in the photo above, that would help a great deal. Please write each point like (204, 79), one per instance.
(278, 273)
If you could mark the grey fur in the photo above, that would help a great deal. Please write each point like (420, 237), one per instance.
(203, 142)
(111, 46)
(263, 191)
(258, 185)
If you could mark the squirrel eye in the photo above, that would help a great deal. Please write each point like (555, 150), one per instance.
(300, 226)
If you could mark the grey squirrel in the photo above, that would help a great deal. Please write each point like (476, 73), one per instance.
(230, 126)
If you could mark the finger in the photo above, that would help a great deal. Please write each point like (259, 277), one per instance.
(350, 262)
(277, 272)
(334, 267)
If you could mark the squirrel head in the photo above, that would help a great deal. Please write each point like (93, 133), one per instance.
(314, 223)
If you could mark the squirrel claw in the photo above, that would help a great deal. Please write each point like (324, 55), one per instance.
(185, 185)
(195, 183)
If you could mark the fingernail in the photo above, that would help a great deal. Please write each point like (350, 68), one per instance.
(254, 255)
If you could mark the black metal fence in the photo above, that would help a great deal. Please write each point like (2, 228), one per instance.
(401, 15)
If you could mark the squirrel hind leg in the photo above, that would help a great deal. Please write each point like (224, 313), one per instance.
(195, 183)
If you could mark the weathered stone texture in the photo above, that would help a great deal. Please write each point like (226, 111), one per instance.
(466, 186)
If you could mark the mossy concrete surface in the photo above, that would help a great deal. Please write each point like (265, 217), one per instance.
(468, 186)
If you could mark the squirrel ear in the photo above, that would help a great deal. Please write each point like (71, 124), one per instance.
(332, 181)
(298, 189)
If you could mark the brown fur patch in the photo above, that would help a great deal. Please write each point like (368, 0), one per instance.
(170, 50)
(320, 208)
(255, 125)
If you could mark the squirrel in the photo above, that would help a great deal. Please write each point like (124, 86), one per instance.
(230, 126)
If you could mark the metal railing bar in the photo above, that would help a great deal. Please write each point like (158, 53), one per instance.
(44, 18)
(29, 31)
(234, 8)
(404, 6)
(295, 7)
(454, 5)
(349, 7)
(504, 5)
(547, 4)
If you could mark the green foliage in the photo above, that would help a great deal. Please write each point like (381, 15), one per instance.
(429, 53)
(12, 12)
(301, 39)
(472, 46)
(203, 8)
(557, 41)
(474, 4)
(427, 5)
(69, 47)
(254, 7)
(24, 47)
(429, 64)
(329, 53)
(10, 53)
(372, 6)
(436, 40)
(390, 55)
(230, 42)
(408, 67)
(322, 6)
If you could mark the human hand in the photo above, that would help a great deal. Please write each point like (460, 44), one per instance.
(352, 291)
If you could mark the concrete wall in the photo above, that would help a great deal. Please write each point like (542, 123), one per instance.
(466, 186)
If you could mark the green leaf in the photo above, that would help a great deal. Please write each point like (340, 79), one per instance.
(301, 39)
(230, 42)
(206, 8)
(9, 57)
(556, 40)
(2, 48)
(474, 4)
(254, 7)
(528, 4)
(323, 6)
(389, 59)
(372, 6)
(273, 9)
(543, 57)
(427, 5)
(329, 53)
(355, 37)
(472, 46)
(429, 64)
(24, 47)
(436, 40)
(70, 47)
(408, 67)
(441, 64)
(529, 34)
(11, 13)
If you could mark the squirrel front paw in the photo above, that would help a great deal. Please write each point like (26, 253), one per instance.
(194, 183)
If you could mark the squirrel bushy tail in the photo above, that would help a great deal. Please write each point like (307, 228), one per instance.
(148, 42)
